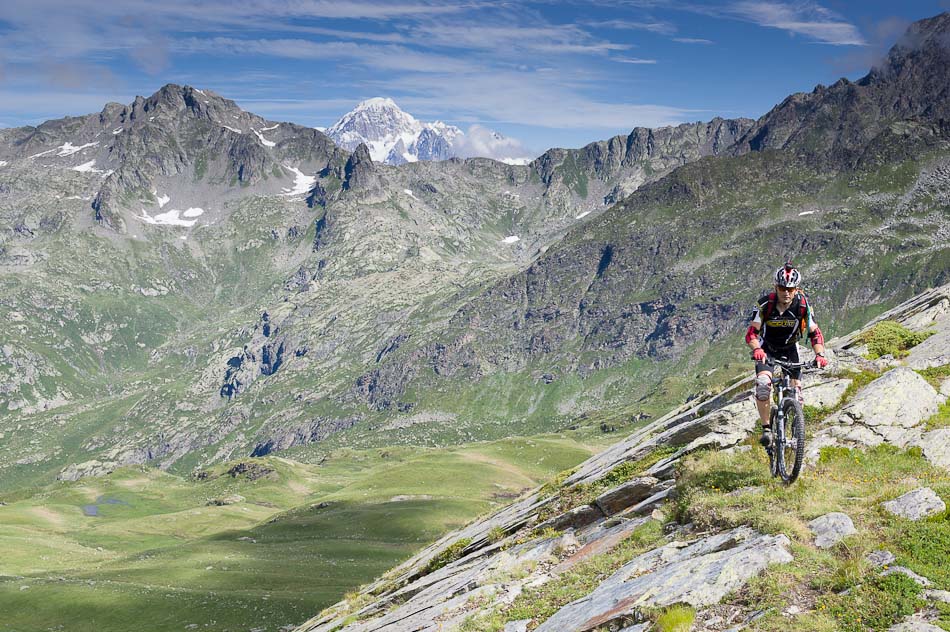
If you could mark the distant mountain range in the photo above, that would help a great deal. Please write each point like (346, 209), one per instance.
(185, 281)
(395, 137)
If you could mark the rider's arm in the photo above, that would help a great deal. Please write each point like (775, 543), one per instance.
(817, 338)
(752, 333)
(752, 336)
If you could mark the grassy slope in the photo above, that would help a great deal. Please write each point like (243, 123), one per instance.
(821, 590)
(164, 556)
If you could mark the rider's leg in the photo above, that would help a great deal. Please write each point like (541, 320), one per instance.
(797, 385)
(763, 397)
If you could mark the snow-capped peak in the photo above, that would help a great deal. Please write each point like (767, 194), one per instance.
(395, 137)
(392, 135)
(377, 103)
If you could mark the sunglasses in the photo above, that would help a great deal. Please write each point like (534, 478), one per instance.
(787, 289)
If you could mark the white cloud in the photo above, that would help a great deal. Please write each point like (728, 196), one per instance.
(481, 141)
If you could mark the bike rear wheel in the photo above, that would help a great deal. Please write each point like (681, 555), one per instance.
(792, 450)
(772, 450)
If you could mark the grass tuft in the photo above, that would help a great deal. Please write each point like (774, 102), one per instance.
(889, 337)
(676, 618)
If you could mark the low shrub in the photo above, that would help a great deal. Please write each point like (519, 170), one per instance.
(447, 556)
(889, 337)
(876, 605)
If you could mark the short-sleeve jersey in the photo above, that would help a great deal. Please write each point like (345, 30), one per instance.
(782, 329)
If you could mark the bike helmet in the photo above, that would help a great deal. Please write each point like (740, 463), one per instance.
(788, 276)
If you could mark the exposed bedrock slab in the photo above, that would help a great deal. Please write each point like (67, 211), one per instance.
(831, 528)
(825, 393)
(575, 518)
(914, 626)
(920, 503)
(698, 573)
(886, 410)
(626, 495)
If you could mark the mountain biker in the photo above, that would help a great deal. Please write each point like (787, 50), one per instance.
(780, 320)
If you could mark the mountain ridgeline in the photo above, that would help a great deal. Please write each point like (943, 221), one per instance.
(187, 282)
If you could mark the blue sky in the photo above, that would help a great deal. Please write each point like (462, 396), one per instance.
(545, 73)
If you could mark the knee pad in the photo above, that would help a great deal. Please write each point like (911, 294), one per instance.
(763, 387)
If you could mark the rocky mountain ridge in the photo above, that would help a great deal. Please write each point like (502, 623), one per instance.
(295, 258)
(473, 578)
(657, 276)
(326, 297)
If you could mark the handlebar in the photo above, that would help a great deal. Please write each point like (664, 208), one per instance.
(795, 365)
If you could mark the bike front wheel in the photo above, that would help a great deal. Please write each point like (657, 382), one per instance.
(793, 444)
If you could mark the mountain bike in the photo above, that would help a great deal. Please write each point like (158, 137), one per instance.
(788, 424)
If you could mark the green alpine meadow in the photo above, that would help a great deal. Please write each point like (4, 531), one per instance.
(252, 379)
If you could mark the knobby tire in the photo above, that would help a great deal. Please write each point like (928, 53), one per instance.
(793, 452)
(772, 451)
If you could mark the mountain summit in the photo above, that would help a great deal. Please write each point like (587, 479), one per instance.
(392, 135)
(395, 137)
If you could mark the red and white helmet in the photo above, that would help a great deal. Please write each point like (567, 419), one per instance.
(788, 276)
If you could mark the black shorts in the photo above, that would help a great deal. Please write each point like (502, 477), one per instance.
(786, 354)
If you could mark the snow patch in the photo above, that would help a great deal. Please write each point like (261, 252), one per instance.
(511, 239)
(66, 149)
(267, 129)
(264, 141)
(171, 218)
(236, 131)
(302, 182)
(90, 167)
(200, 92)
(193, 212)
(583, 215)
(409, 193)
(117, 130)
(3, 163)
(806, 213)
(86, 167)
(162, 199)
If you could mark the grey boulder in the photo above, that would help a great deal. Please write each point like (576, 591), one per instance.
(831, 529)
(920, 503)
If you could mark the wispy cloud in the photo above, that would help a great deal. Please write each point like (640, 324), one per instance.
(657, 26)
(531, 99)
(633, 60)
(390, 57)
(510, 38)
(692, 40)
(807, 19)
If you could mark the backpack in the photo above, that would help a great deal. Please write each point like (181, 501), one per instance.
(803, 308)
